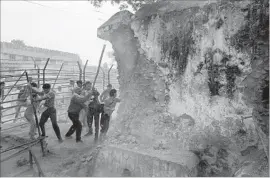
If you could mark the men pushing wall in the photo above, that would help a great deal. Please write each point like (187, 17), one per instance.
(109, 107)
(77, 103)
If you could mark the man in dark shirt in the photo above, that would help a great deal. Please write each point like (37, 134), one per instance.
(76, 105)
(50, 112)
(93, 114)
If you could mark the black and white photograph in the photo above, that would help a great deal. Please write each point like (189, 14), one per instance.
(134, 88)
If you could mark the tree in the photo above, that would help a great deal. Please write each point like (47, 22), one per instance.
(18, 43)
(135, 4)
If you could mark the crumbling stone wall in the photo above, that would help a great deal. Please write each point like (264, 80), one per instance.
(187, 75)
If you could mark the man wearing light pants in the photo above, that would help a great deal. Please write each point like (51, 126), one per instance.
(29, 113)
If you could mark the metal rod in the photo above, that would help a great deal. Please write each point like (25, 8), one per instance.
(10, 119)
(10, 86)
(50, 79)
(18, 146)
(40, 172)
(44, 70)
(17, 153)
(11, 115)
(38, 77)
(14, 127)
(84, 71)
(15, 70)
(80, 68)
(10, 101)
(58, 74)
(103, 81)
(13, 94)
(35, 113)
(100, 59)
(13, 86)
(18, 75)
(13, 106)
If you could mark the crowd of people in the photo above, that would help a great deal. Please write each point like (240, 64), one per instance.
(86, 105)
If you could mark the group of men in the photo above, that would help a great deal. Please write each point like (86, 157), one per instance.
(85, 106)
(84, 102)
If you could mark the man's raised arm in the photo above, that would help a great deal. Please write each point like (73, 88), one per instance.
(82, 99)
(102, 96)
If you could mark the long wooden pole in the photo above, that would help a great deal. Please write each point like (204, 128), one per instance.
(100, 59)
(80, 68)
(109, 82)
(58, 75)
(13, 86)
(45, 69)
(84, 71)
(103, 78)
(40, 172)
(35, 114)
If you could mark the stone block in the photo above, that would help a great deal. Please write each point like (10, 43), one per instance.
(138, 163)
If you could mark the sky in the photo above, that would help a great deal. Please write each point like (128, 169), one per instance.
(69, 26)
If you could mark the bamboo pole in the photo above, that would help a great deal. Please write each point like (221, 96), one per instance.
(45, 69)
(100, 59)
(80, 68)
(84, 71)
(13, 86)
(109, 75)
(40, 172)
(58, 75)
(35, 113)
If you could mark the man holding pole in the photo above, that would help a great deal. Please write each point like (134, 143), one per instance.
(109, 107)
(76, 105)
(29, 112)
(93, 114)
(106, 93)
(50, 111)
(84, 111)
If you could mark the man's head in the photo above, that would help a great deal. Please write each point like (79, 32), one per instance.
(19, 87)
(79, 83)
(71, 82)
(88, 85)
(78, 91)
(113, 93)
(59, 88)
(33, 84)
(109, 86)
(46, 88)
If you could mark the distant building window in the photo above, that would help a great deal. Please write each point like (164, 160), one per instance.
(12, 56)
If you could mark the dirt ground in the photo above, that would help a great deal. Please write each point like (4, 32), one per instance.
(57, 161)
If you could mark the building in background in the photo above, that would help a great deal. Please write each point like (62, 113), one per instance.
(16, 55)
